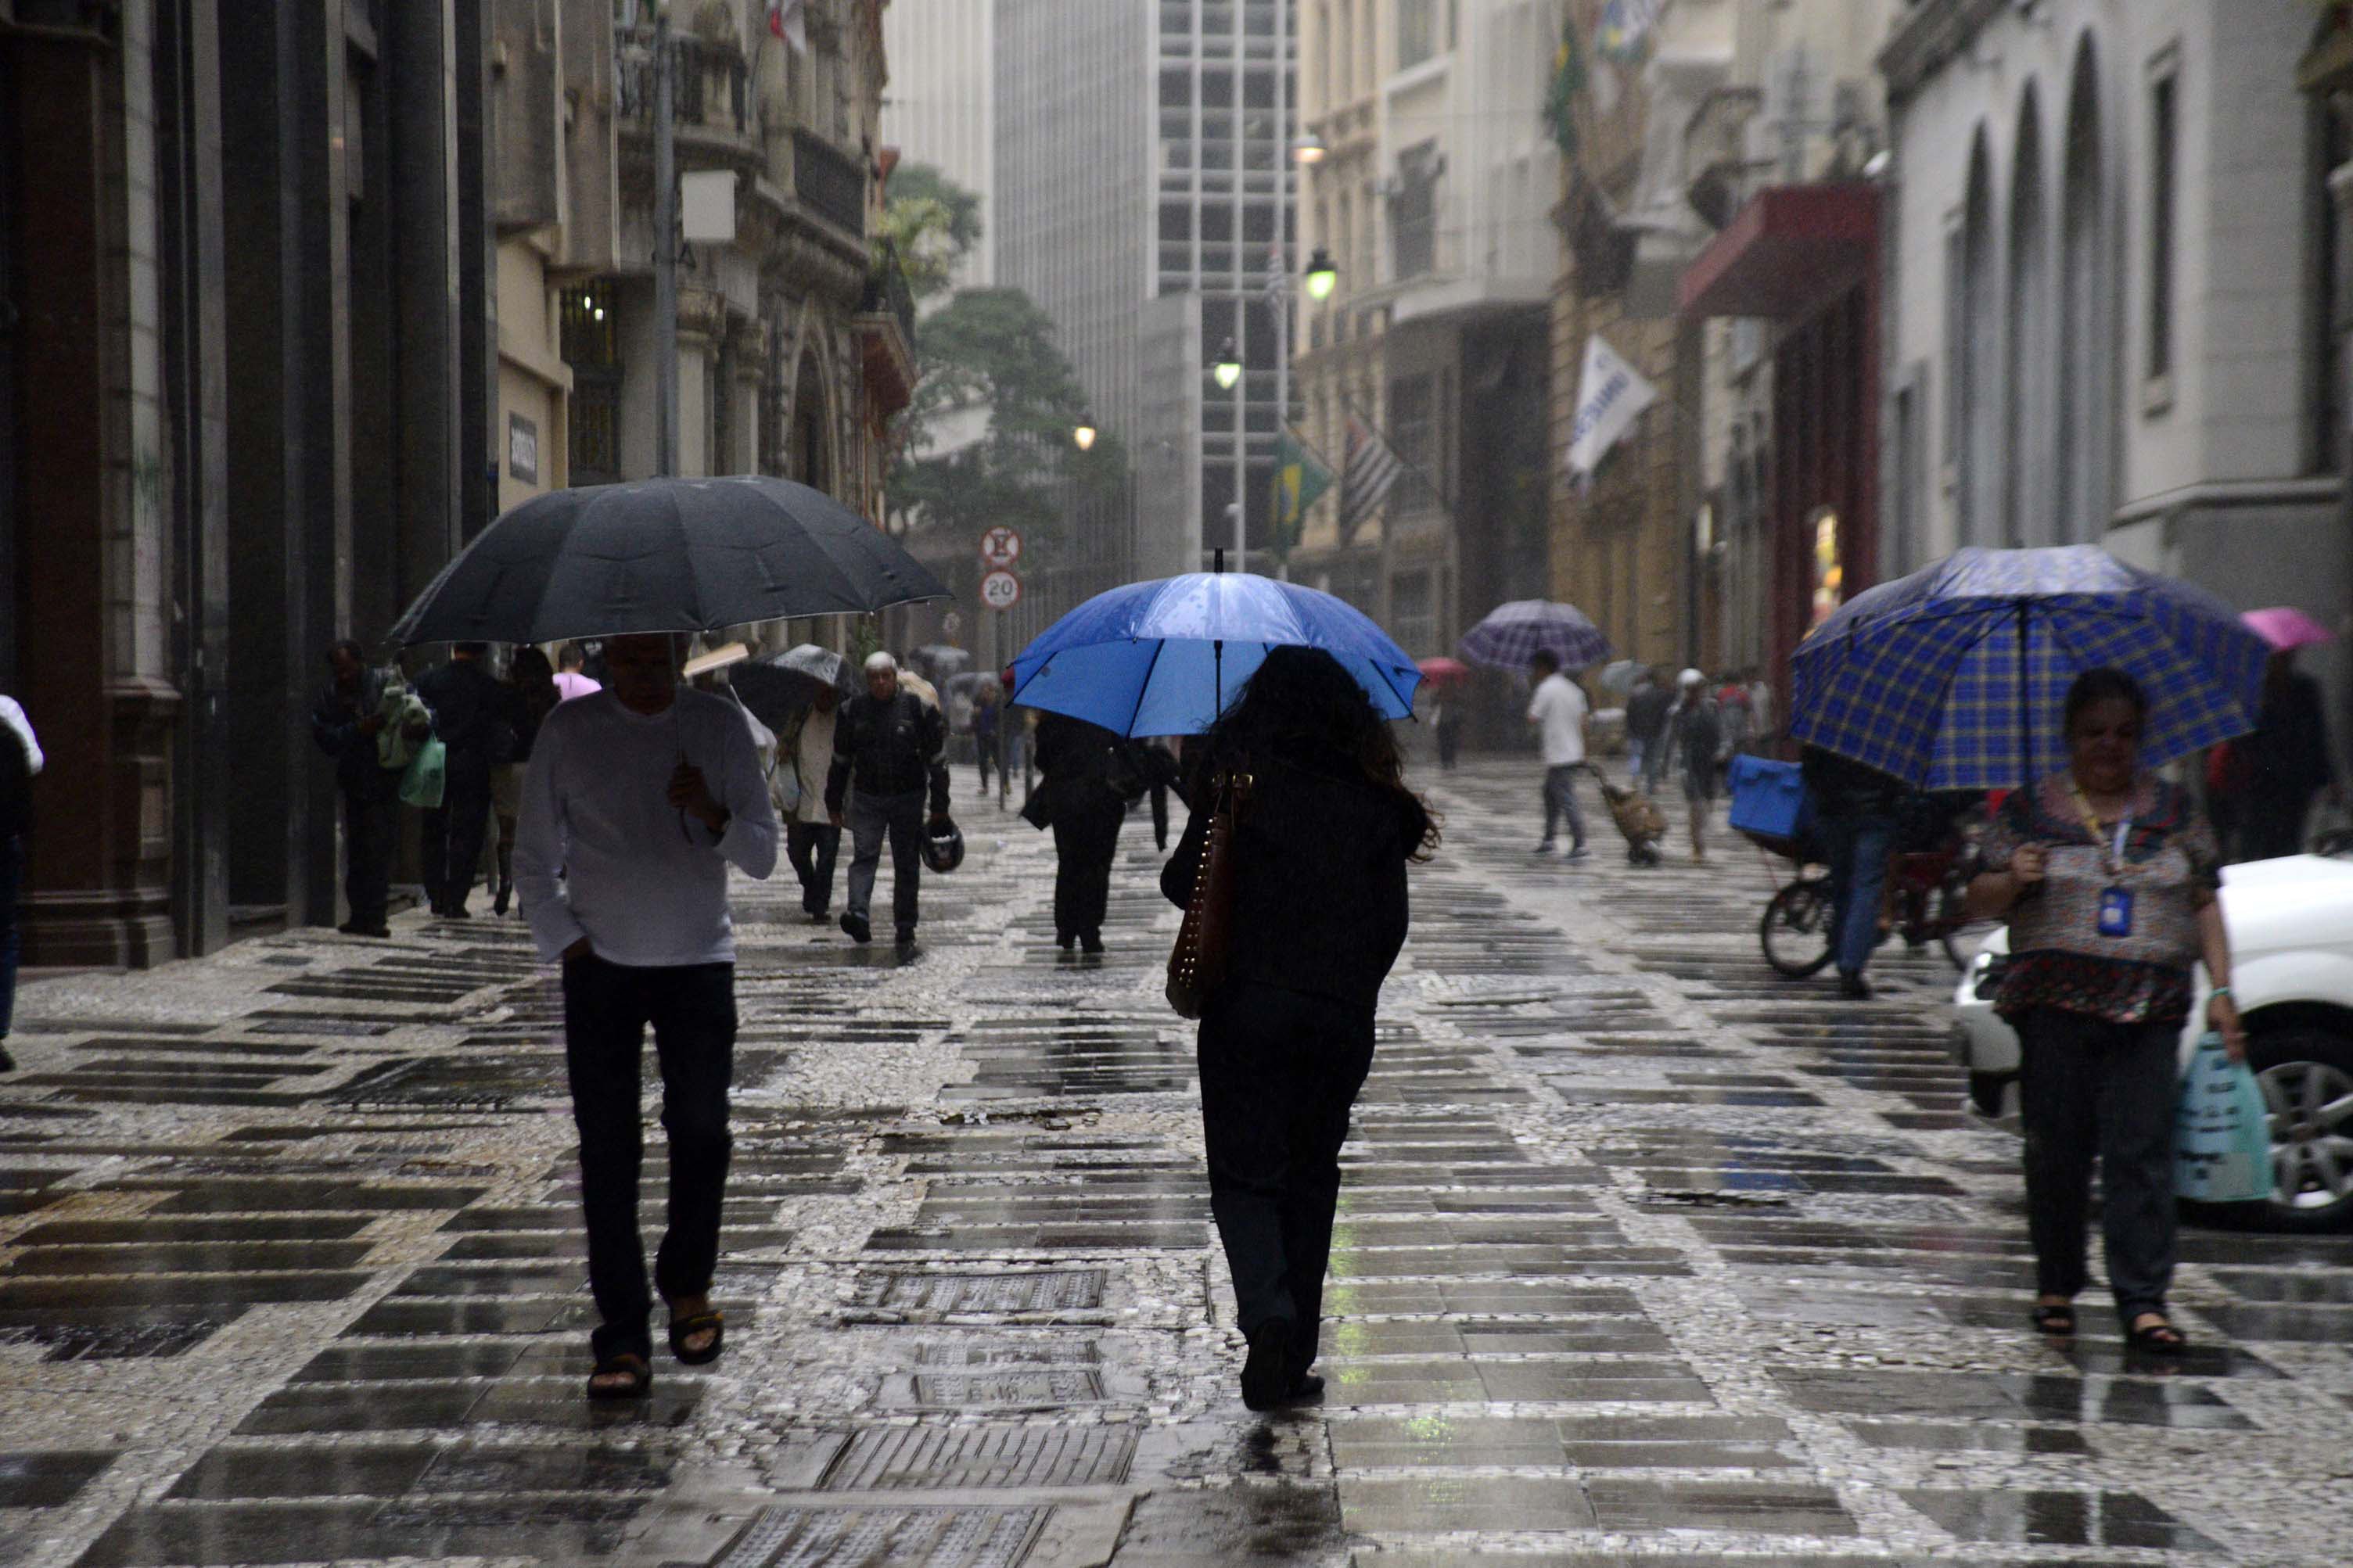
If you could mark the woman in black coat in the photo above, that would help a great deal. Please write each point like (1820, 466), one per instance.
(1320, 851)
(1077, 763)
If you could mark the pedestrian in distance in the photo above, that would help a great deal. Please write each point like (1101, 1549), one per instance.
(2109, 877)
(1693, 742)
(1446, 719)
(348, 720)
(812, 842)
(1646, 723)
(20, 762)
(1855, 812)
(1087, 775)
(1562, 719)
(532, 696)
(569, 683)
(1319, 913)
(2264, 784)
(893, 746)
(637, 800)
(471, 717)
(1761, 731)
(1161, 767)
(986, 709)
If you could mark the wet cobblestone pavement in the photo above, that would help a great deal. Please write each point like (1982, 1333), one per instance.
(1645, 1259)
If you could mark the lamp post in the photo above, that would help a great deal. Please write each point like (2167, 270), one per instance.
(1084, 437)
(665, 248)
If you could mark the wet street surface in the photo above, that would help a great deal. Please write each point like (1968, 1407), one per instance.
(1645, 1258)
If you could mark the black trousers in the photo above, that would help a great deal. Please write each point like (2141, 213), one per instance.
(2272, 825)
(1279, 1072)
(1085, 844)
(898, 819)
(371, 824)
(2087, 1087)
(453, 836)
(813, 847)
(607, 1007)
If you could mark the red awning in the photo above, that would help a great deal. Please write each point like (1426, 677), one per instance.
(1792, 248)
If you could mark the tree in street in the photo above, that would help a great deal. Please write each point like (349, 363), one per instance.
(933, 223)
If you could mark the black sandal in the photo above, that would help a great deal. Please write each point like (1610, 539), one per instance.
(2059, 1322)
(2162, 1338)
(629, 1364)
(681, 1328)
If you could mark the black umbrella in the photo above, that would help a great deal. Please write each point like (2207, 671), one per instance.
(778, 686)
(664, 555)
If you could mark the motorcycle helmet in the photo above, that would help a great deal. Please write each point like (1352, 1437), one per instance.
(942, 847)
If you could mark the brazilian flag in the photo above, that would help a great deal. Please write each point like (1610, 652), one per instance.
(1299, 482)
(1567, 87)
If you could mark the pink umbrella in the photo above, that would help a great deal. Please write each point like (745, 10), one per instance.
(2284, 627)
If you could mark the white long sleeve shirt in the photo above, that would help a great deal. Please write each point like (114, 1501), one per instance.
(646, 884)
(13, 717)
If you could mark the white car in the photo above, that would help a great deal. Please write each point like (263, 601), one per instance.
(2290, 924)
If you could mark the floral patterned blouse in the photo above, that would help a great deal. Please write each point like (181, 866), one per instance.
(2059, 957)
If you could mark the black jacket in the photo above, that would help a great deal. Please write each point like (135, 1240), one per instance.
(889, 748)
(15, 787)
(1320, 900)
(471, 714)
(335, 726)
(1646, 713)
(2287, 755)
(1844, 788)
(1087, 768)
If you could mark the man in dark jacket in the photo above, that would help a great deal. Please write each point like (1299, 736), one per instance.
(892, 745)
(1646, 722)
(1855, 812)
(2283, 764)
(345, 722)
(471, 717)
(1086, 770)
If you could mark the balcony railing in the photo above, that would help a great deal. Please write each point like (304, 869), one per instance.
(829, 183)
(887, 294)
(711, 84)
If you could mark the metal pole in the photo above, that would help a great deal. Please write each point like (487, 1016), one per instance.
(1279, 296)
(1241, 298)
(665, 250)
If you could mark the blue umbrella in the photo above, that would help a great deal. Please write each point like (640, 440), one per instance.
(1167, 658)
(1513, 634)
(1954, 678)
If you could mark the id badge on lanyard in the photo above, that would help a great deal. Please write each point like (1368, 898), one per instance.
(2115, 899)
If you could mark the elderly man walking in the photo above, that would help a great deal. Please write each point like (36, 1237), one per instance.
(890, 744)
(637, 800)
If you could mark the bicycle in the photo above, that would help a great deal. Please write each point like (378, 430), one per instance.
(1926, 887)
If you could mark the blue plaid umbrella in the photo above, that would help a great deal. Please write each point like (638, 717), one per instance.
(1513, 634)
(1954, 678)
(1167, 658)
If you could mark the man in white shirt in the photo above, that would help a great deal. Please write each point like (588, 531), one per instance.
(1561, 716)
(637, 800)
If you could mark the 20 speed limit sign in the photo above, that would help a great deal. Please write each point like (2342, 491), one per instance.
(1000, 590)
(1000, 547)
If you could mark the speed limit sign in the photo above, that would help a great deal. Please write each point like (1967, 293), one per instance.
(1000, 547)
(1000, 590)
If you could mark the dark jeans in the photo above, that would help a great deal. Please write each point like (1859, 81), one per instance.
(371, 824)
(1560, 801)
(899, 818)
(813, 847)
(12, 883)
(1858, 849)
(2087, 1087)
(453, 836)
(1085, 844)
(607, 1007)
(1279, 1071)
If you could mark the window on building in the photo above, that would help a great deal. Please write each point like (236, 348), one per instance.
(1413, 212)
(1417, 31)
(1323, 54)
(1956, 313)
(1413, 435)
(1413, 612)
(2164, 153)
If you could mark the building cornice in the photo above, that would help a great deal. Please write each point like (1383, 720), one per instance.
(1926, 40)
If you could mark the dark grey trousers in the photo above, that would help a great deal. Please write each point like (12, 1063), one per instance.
(2088, 1087)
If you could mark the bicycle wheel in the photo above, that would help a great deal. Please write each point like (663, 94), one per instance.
(1796, 930)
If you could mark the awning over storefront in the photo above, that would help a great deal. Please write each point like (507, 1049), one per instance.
(1792, 249)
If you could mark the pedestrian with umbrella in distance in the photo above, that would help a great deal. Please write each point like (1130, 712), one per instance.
(890, 748)
(638, 801)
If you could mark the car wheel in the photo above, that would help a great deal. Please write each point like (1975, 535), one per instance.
(1796, 930)
(2306, 1075)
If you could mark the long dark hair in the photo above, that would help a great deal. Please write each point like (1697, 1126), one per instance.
(1302, 707)
(535, 679)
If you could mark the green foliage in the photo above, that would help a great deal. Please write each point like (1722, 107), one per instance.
(993, 350)
(933, 221)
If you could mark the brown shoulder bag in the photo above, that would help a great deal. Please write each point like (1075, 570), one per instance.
(1197, 965)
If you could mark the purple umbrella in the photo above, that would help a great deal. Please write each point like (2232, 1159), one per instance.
(1513, 634)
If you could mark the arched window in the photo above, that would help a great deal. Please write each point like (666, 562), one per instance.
(812, 441)
(2080, 410)
(2028, 518)
(1979, 351)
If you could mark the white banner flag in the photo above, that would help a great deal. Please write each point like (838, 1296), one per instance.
(1611, 395)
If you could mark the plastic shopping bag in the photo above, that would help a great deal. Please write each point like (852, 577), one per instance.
(427, 772)
(2221, 1135)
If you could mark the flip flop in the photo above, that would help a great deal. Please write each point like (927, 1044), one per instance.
(683, 1329)
(629, 1364)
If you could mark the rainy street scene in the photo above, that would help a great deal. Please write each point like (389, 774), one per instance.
(1176, 784)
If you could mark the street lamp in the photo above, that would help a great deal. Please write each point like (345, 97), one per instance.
(1229, 368)
(1085, 435)
(1321, 276)
(1308, 150)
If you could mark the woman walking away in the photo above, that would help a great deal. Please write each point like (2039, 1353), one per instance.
(2108, 876)
(535, 695)
(1319, 858)
(1084, 769)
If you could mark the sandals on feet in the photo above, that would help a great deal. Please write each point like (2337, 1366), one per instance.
(2161, 1337)
(2058, 1321)
(685, 1328)
(627, 1364)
